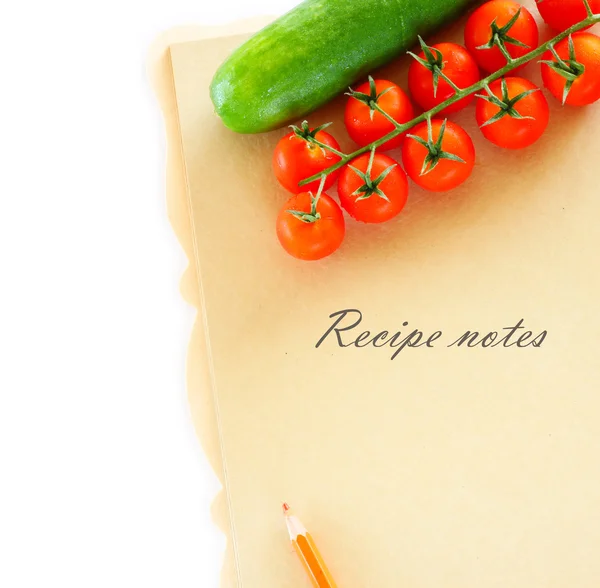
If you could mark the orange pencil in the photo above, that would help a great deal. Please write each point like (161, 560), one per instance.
(307, 551)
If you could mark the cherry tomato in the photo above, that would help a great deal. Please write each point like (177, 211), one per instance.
(585, 89)
(447, 160)
(366, 125)
(510, 23)
(377, 193)
(310, 229)
(297, 157)
(454, 62)
(525, 118)
(562, 14)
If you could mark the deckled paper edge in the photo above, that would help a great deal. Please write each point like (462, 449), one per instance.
(202, 403)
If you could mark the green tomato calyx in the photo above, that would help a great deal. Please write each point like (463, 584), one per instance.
(369, 99)
(313, 215)
(570, 69)
(506, 104)
(371, 186)
(500, 37)
(307, 134)
(435, 153)
(434, 62)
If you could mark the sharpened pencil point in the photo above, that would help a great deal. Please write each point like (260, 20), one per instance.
(286, 508)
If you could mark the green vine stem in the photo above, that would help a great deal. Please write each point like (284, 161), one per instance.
(513, 64)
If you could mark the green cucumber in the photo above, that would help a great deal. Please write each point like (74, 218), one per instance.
(314, 52)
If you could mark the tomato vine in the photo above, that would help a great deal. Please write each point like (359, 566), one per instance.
(459, 94)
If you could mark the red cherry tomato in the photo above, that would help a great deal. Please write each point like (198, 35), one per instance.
(444, 172)
(310, 231)
(562, 14)
(493, 19)
(297, 157)
(509, 131)
(366, 125)
(586, 88)
(456, 63)
(378, 193)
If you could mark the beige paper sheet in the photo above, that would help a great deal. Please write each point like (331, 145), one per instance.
(471, 468)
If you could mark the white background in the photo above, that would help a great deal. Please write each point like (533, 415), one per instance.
(102, 481)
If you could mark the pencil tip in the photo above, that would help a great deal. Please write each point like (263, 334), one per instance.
(286, 508)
